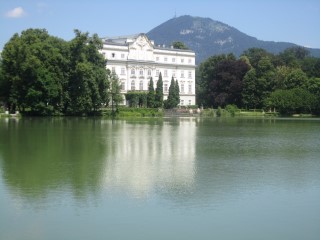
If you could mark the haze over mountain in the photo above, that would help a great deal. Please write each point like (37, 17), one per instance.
(208, 37)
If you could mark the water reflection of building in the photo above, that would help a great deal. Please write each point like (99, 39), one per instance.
(145, 157)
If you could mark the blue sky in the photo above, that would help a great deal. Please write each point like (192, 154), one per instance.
(294, 21)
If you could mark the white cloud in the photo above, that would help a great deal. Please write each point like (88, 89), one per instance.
(17, 12)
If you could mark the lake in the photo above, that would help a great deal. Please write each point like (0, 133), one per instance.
(171, 178)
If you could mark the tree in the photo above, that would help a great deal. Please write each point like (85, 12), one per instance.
(177, 93)
(159, 93)
(205, 75)
(222, 80)
(44, 75)
(116, 96)
(35, 72)
(172, 98)
(255, 55)
(88, 77)
(151, 95)
(291, 101)
(250, 94)
(179, 45)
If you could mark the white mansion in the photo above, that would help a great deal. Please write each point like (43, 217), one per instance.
(135, 59)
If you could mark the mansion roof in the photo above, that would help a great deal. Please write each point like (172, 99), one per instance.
(128, 39)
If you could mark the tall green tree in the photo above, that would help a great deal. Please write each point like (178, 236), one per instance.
(88, 76)
(115, 93)
(205, 75)
(177, 93)
(151, 94)
(222, 78)
(158, 103)
(172, 98)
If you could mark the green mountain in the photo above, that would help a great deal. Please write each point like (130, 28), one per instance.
(208, 37)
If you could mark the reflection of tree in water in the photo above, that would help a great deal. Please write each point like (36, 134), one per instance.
(48, 155)
(44, 157)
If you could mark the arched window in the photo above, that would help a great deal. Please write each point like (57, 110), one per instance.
(133, 85)
(149, 72)
(141, 85)
(141, 72)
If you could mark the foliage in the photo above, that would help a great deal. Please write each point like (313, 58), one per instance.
(291, 101)
(159, 93)
(232, 109)
(134, 112)
(173, 97)
(219, 112)
(115, 88)
(44, 75)
(179, 45)
(221, 80)
(151, 94)
(137, 98)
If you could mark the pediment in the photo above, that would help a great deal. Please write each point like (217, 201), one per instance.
(142, 43)
(141, 49)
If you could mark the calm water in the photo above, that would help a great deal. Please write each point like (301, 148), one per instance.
(79, 178)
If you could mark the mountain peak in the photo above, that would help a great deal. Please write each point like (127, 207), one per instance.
(209, 37)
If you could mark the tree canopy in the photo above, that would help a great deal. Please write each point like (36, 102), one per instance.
(45, 75)
(179, 45)
(258, 79)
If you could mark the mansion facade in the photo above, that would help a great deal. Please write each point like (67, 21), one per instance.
(135, 59)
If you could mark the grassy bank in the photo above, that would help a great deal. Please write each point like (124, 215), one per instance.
(133, 112)
(235, 112)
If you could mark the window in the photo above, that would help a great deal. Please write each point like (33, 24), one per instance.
(122, 55)
(157, 73)
(182, 88)
(113, 55)
(141, 72)
(173, 60)
(113, 70)
(133, 85)
(182, 60)
(190, 88)
(157, 58)
(123, 71)
(189, 102)
(165, 87)
(165, 73)
(174, 73)
(165, 59)
(123, 86)
(189, 74)
(182, 73)
(133, 72)
(189, 60)
(149, 72)
(181, 102)
(141, 85)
